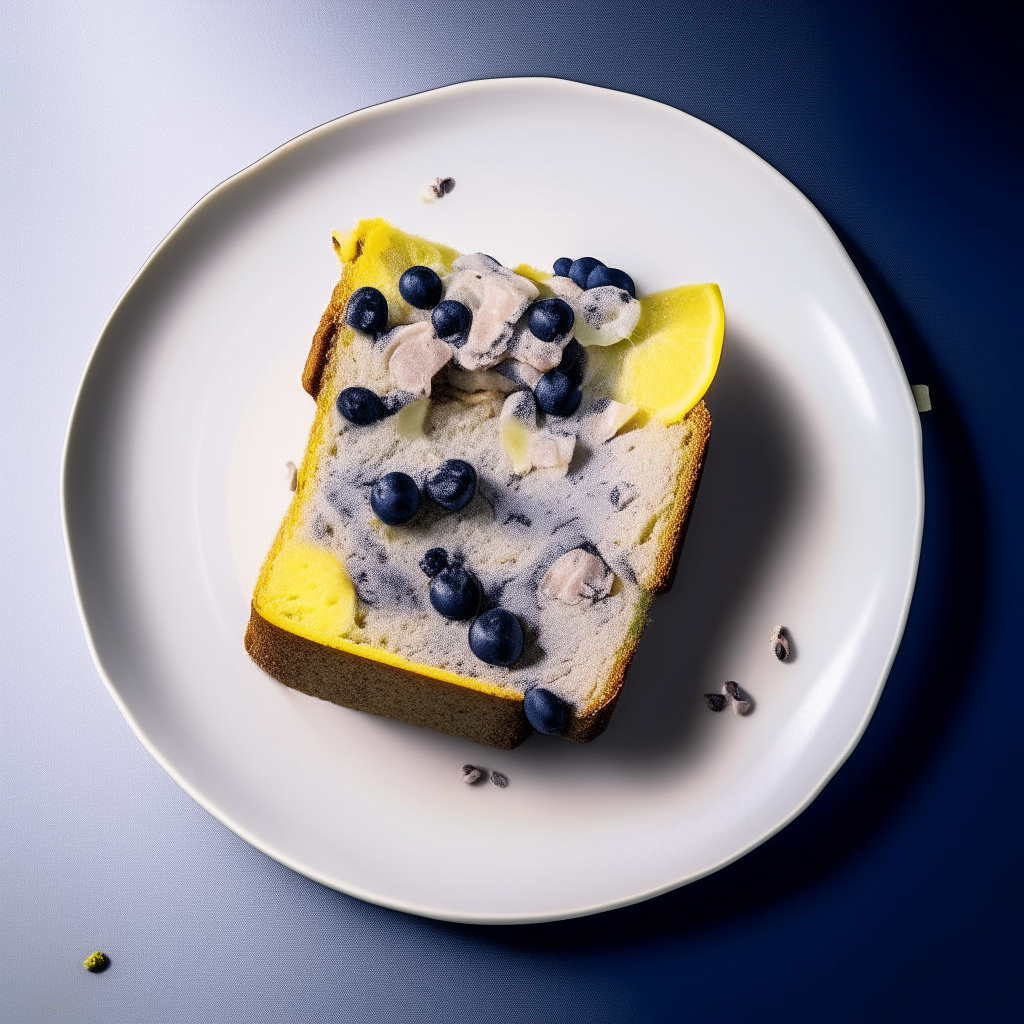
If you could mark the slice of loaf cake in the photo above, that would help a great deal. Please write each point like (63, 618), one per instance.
(496, 484)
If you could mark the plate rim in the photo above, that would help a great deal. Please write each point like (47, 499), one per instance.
(282, 151)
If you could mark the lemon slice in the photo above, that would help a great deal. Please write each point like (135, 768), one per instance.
(671, 358)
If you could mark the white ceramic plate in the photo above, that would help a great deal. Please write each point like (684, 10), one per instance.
(809, 514)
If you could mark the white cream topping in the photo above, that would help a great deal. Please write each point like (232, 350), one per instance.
(417, 358)
(579, 575)
(521, 406)
(552, 451)
(605, 423)
(527, 446)
(387, 344)
(604, 315)
(497, 297)
(540, 355)
(520, 373)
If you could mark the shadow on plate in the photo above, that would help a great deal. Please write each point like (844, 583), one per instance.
(754, 475)
(925, 688)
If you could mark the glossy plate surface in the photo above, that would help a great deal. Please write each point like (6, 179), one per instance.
(809, 514)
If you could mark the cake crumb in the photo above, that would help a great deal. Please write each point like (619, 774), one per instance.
(715, 701)
(436, 188)
(292, 477)
(96, 962)
(780, 643)
(741, 703)
(470, 774)
(500, 779)
(922, 397)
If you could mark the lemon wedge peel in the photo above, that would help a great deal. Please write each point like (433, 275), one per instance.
(668, 363)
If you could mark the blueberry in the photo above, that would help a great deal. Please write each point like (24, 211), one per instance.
(496, 637)
(562, 265)
(581, 268)
(395, 498)
(367, 311)
(434, 561)
(451, 319)
(558, 394)
(452, 485)
(455, 593)
(360, 406)
(551, 318)
(420, 287)
(545, 712)
(574, 361)
(601, 276)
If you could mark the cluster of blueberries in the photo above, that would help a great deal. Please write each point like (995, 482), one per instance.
(558, 392)
(395, 497)
(495, 637)
(590, 272)
(367, 309)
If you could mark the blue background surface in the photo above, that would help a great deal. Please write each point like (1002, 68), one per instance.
(896, 896)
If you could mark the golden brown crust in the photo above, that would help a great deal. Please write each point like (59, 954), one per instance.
(699, 420)
(323, 340)
(366, 685)
(586, 727)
